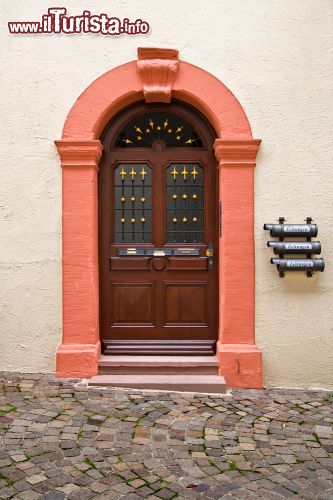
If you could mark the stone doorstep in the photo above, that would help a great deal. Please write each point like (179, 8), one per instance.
(157, 365)
(182, 382)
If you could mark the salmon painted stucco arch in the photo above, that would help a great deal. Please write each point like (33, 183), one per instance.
(158, 76)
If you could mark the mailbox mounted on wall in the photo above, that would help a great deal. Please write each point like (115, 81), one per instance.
(308, 247)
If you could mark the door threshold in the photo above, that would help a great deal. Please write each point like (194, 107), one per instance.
(202, 383)
(168, 365)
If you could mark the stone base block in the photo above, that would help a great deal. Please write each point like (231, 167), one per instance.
(78, 360)
(241, 365)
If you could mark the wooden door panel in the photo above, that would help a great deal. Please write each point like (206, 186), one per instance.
(190, 264)
(129, 264)
(132, 304)
(151, 263)
(185, 304)
(154, 198)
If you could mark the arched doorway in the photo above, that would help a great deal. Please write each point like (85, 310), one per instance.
(158, 224)
(157, 77)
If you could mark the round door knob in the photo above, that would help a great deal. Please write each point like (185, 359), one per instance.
(158, 263)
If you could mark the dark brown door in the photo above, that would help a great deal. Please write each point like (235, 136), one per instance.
(158, 233)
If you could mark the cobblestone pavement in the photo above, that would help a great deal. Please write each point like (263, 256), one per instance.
(62, 440)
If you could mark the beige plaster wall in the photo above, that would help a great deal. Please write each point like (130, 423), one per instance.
(276, 56)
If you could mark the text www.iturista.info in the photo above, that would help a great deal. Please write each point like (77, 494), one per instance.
(56, 21)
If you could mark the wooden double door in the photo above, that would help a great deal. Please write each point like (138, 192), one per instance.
(158, 232)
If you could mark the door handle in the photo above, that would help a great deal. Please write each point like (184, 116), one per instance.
(210, 255)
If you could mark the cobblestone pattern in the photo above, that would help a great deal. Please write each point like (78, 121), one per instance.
(62, 440)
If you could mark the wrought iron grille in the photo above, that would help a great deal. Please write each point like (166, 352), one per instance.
(185, 203)
(132, 203)
(158, 126)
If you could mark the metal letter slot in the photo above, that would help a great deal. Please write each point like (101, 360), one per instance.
(292, 247)
(292, 229)
(192, 252)
(299, 264)
(159, 252)
(128, 252)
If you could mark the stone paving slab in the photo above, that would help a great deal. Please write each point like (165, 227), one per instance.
(62, 440)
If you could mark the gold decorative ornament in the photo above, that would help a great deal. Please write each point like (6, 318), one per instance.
(179, 129)
(184, 196)
(165, 124)
(132, 173)
(139, 138)
(184, 219)
(138, 129)
(122, 173)
(143, 173)
(189, 141)
(158, 127)
(128, 141)
(174, 173)
(122, 220)
(194, 173)
(143, 199)
(143, 220)
(184, 173)
(174, 196)
(133, 199)
(174, 220)
(169, 130)
(151, 123)
(178, 137)
(123, 199)
(194, 196)
(133, 220)
(195, 219)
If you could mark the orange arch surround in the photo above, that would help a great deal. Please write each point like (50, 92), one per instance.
(158, 76)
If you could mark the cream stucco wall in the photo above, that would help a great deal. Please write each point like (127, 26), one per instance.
(276, 57)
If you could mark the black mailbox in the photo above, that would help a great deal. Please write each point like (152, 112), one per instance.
(299, 264)
(285, 230)
(307, 247)
(292, 247)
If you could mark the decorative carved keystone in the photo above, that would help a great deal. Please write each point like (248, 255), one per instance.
(158, 70)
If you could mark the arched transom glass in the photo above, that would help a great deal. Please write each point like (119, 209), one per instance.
(170, 128)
